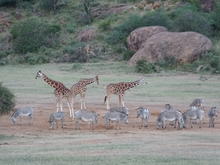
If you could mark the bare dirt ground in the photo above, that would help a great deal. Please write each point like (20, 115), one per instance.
(39, 124)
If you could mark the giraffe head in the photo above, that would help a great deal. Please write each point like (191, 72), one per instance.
(39, 74)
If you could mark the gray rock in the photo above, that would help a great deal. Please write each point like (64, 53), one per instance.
(140, 35)
(185, 47)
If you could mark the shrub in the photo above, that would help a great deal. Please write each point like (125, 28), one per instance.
(70, 27)
(168, 63)
(8, 2)
(30, 34)
(158, 17)
(143, 66)
(86, 11)
(51, 5)
(127, 1)
(212, 61)
(121, 31)
(105, 25)
(26, 4)
(7, 101)
(209, 62)
(195, 3)
(154, 18)
(75, 53)
(127, 54)
(186, 19)
(32, 58)
(216, 17)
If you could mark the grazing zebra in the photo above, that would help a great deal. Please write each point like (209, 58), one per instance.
(193, 114)
(20, 112)
(212, 114)
(54, 117)
(171, 116)
(86, 116)
(144, 114)
(118, 115)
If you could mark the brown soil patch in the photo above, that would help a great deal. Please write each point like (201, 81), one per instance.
(40, 123)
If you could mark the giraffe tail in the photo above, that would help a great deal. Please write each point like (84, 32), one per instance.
(105, 99)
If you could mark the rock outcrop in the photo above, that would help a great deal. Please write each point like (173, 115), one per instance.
(183, 46)
(140, 35)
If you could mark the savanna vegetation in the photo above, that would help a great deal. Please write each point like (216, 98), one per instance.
(47, 35)
(45, 31)
(7, 101)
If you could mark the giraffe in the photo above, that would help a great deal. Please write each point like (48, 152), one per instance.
(80, 88)
(61, 93)
(119, 89)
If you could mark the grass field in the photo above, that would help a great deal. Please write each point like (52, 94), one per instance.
(35, 144)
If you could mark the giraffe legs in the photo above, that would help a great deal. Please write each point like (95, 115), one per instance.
(70, 106)
(58, 104)
(61, 106)
(123, 102)
(120, 102)
(107, 102)
(83, 103)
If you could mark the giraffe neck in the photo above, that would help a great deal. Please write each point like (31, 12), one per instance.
(128, 85)
(51, 82)
(88, 81)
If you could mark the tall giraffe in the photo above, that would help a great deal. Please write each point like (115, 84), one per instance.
(119, 89)
(60, 92)
(80, 88)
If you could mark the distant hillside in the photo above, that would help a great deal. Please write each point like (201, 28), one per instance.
(42, 31)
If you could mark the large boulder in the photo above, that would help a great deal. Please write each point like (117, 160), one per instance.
(183, 46)
(140, 35)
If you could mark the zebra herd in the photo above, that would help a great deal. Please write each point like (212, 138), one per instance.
(169, 115)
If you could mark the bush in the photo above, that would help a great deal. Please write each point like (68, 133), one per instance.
(209, 62)
(157, 18)
(86, 11)
(121, 31)
(127, 54)
(143, 66)
(195, 3)
(105, 25)
(216, 17)
(186, 19)
(168, 63)
(7, 101)
(51, 5)
(8, 2)
(154, 18)
(32, 58)
(127, 1)
(30, 34)
(75, 53)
